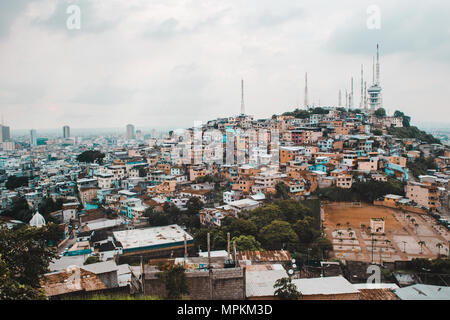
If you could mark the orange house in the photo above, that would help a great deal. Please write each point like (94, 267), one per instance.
(244, 185)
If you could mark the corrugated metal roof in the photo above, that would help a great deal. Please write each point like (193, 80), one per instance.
(377, 294)
(265, 255)
(423, 292)
(101, 267)
(63, 282)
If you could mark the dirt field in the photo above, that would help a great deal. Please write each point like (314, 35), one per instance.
(406, 236)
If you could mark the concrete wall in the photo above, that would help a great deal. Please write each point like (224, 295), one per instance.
(227, 284)
(406, 208)
(109, 279)
(133, 257)
(347, 296)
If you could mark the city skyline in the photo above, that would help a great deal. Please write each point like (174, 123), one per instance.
(183, 62)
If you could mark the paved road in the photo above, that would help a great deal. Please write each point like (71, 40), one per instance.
(68, 243)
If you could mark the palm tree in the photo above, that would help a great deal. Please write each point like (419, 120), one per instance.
(421, 244)
(341, 240)
(439, 246)
(417, 226)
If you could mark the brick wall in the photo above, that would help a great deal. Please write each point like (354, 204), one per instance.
(227, 284)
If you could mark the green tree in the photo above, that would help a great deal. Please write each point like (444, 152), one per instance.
(26, 254)
(156, 219)
(11, 289)
(412, 132)
(246, 243)
(406, 119)
(277, 233)
(282, 190)
(175, 281)
(91, 260)
(322, 246)
(242, 227)
(377, 132)
(91, 156)
(19, 210)
(380, 113)
(47, 206)
(305, 230)
(218, 239)
(194, 205)
(264, 215)
(172, 211)
(286, 290)
(14, 182)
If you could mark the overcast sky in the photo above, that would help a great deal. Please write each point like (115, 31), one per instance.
(169, 63)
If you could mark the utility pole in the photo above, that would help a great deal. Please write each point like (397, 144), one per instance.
(228, 245)
(235, 253)
(209, 266)
(185, 247)
(372, 247)
(142, 277)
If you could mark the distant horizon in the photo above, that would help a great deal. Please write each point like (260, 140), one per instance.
(422, 125)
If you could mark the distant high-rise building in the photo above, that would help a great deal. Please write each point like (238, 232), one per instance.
(66, 132)
(138, 134)
(130, 132)
(4, 133)
(33, 138)
(242, 98)
(306, 91)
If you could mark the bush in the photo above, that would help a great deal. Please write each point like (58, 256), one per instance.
(413, 132)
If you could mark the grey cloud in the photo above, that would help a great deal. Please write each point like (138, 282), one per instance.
(404, 29)
(172, 26)
(92, 20)
(164, 30)
(9, 11)
(102, 95)
(20, 93)
(279, 15)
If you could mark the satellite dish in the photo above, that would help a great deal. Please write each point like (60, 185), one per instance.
(293, 260)
(294, 266)
(291, 271)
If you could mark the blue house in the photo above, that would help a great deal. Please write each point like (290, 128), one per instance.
(396, 171)
(317, 167)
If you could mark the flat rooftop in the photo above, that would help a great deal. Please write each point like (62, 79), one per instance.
(324, 286)
(151, 237)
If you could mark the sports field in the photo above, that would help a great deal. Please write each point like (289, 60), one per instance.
(406, 236)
